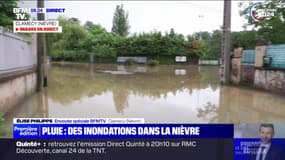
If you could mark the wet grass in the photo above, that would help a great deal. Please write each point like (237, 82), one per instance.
(3, 129)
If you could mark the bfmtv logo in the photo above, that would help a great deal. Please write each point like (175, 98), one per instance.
(259, 12)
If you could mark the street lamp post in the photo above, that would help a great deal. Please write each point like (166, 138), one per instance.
(41, 53)
(226, 37)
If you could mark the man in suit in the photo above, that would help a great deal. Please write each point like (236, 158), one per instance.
(266, 150)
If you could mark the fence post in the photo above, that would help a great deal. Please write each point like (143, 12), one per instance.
(40, 50)
(260, 52)
(91, 57)
(236, 65)
(1, 47)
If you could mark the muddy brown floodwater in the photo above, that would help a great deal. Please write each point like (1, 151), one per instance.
(163, 94)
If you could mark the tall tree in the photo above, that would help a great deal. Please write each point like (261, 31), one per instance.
(89, 25)
(172, 32)
(74, 20)
(6, 13)
(95, 29)
(120, 22)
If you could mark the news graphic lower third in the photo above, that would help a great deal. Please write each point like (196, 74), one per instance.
(131, 138)
(97, 139)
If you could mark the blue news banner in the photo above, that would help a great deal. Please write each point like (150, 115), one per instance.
(119, 141)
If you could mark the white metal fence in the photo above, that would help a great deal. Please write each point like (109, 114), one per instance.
(208, 62)
(16, 52)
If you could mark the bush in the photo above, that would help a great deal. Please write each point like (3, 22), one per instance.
(152, 62)
(70, 55)
(104, 51)
(1, 117)
(3, 129)
(130, 62)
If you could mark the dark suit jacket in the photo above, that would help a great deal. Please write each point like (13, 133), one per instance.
(274, 153)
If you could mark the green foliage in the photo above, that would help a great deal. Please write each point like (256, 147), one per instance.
(273, 29)
(213, 45)
(76, 42)
(4, 132)
(152, 62)
(120, 22)
(70, 55)
(69, 45)
(130, 62)
(208, 47)
(1, 117)
(247, 39)
(166, 60)
(6, 13)
(94, 29)
(104, 51)
(74, 21)
(3, 129)
(93, 38)
(196, 53)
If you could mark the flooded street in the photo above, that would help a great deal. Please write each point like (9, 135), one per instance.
(163, 94)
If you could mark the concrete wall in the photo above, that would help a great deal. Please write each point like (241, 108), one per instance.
(260, 52)
(273, 80)
(256, 73)
(236, 70)
(17, 68)
(17, 52)
(236, 65)
(247, 74)
(14, 90)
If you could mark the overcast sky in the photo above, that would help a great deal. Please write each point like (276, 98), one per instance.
(185, 17)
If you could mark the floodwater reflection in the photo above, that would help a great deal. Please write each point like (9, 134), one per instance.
(163, 94)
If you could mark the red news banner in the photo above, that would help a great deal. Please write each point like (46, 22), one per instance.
(37, 26)
(37, 29)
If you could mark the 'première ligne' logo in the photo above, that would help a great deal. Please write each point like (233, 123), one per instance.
(259, 12)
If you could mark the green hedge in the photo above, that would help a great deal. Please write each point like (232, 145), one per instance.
(70, 55)
(152, 62)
